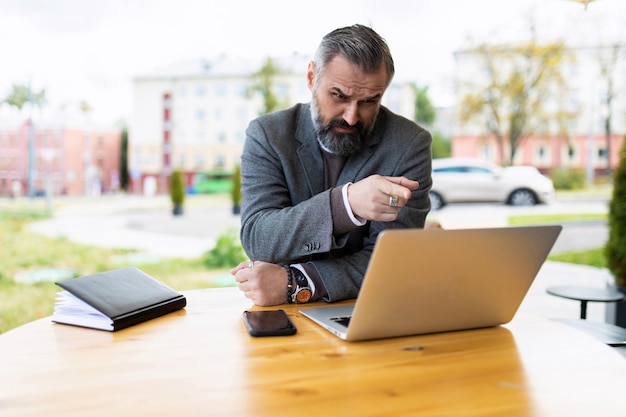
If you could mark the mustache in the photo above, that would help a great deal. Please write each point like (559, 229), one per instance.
(343, 123)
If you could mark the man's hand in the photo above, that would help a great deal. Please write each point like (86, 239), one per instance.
(262, 282)
(380, 198)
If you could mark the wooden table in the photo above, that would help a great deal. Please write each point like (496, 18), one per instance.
(201, 362)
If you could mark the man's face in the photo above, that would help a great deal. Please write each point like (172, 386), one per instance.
(345, 104)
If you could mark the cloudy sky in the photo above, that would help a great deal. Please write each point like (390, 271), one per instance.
(91, 50)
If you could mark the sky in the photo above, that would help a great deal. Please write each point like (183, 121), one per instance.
(88, 50)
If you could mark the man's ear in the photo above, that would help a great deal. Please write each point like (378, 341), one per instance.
(310, 75)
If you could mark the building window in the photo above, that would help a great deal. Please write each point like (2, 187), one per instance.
(242, 114)
(200, 90)
(199, 161)
(221, 90)
(542, 154)
(486, 152)
(572, 154)
(242, 90)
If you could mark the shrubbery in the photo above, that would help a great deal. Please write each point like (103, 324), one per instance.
(226, 253)
(568, 179)
(177, 192)
(615, 248)
(235, 192)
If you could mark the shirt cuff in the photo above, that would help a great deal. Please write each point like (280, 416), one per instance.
(358, 221)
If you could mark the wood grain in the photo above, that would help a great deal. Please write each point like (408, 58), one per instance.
(201, 362)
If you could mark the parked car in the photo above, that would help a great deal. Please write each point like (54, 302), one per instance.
(457, 180)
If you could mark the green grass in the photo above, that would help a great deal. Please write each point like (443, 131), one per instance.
(592, 257)
(22, 251)
(555, 218)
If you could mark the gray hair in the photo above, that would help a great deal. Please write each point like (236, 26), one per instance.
(361, 45)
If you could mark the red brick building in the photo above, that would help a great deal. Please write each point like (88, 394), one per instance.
(589, 152)
(65, 160)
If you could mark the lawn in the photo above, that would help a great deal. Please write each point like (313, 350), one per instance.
(23, 252)
(592, 257)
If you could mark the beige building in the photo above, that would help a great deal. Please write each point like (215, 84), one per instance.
(193, 116)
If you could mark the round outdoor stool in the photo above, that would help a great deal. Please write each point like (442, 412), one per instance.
(585, 294)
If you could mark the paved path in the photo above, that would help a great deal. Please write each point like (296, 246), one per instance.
(146, 224)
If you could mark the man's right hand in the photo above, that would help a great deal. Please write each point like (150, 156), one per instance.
(373, 198)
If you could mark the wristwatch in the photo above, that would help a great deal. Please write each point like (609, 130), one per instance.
(302, 292)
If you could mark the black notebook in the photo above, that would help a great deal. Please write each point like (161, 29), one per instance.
(114, 300)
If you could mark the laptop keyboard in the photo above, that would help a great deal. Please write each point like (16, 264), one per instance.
(344, 321)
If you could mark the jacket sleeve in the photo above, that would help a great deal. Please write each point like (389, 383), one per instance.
(282, 220)
(286, 214)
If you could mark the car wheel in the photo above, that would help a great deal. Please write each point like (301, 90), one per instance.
(436, 202)
(522, 197)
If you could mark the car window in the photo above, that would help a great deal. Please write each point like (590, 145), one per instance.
(478, 170)
(462, 169)
(449, 170)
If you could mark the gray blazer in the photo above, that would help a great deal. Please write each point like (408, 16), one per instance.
(286, 212)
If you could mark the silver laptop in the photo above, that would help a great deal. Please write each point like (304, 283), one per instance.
(429, 281)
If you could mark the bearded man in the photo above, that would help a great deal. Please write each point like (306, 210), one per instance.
(321, 180)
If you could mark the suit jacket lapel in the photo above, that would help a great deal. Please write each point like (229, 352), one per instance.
(309, 153)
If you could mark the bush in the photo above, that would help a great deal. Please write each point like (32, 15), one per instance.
(441, 147)
(236, 188)
(226, 253)
(615, 248)
(568, 179)
(177, 188)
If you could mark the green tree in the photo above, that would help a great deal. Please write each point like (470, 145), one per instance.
(425, 112)
(263, 83)
(615, 248)
(515, 95)
(22, 94)
(124, 178)
(19, 96)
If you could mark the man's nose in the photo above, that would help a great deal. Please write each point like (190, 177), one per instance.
(351, 113)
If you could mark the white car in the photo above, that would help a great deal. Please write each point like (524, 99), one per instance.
(457, 180)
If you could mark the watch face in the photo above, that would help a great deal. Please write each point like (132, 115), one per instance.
(303, 295)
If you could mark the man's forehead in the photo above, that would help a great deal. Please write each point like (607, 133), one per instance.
(349, 79)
